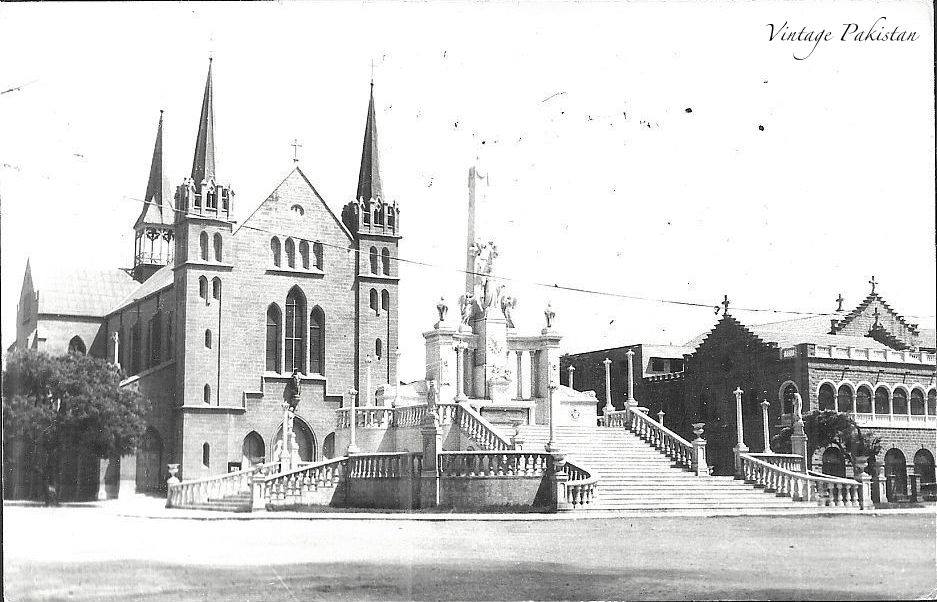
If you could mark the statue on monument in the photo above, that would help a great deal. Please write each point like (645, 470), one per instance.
(467, 307)
(798, 406)
(443, 309)
(294, 388)
(508, 303)
(549, 314)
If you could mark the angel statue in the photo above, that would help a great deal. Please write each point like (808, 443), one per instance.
(798, 406)
(549, 314)
(466, 306)
(443, 309)
(508, 303)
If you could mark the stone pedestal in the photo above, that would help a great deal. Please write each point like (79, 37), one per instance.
(258, 493)
(441, 360)
(700, 465)
(560, 479)
(799, 443)
(128, 476)
(429, 476)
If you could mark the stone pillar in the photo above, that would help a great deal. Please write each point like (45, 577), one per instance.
(352, 422)
(913, 486)
(368, 399)
(879, 484)
(560, 478)
(115, 358)
(396, 378)
(551, 444)
(865, 491)
(523, 374)
(660, 417)
(609, 407)
(799, 442)
(286, 455)
(569, 377)
(432, 445)
(700, 466)
(258, 493)
(740, 447)
(764, 425)
(631, 401)
(459, 370)
(128, 476)
(440, 348)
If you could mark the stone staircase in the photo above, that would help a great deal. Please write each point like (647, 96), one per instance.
(634, 476)
(238, 502)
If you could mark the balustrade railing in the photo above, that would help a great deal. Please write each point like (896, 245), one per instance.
(470, 464)
(409, 415)
(366, 417)
(581, 486)
(390, 465)
(671, 444)
(480, 430)
(292, 484)
(824, 490)
(200, 491)
(791, 462)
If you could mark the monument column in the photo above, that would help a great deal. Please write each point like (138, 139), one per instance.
(740, 447)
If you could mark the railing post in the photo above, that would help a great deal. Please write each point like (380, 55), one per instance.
(630, 401)
(258, 495)
(865, 482)
(560, 479)
(551, 444)
(700, 467)
(432, 445)
(569, 379)
(397, 354)
(352, 422)
(608, 388)
(660, 417)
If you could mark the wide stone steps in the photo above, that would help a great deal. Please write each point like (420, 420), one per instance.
(239, 502)
(634, 476)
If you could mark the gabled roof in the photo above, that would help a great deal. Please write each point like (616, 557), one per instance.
(79, 292)
(369, 176)
(203, 163)
(848, 318)
(161, 279)
(157, 204)
(928, 338)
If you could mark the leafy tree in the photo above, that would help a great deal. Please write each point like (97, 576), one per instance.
(60, 405)
(825, 428)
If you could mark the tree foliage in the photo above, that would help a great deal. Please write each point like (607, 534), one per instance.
(55, 405)
(825, 428)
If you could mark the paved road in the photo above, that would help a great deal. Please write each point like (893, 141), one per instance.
(88, 553)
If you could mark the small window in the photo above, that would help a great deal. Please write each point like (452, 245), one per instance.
(317, 252)
(206, 455)
(657, 365)
(298, 210)
(373, 257)
(203, 288)
(206, 393)
(385, 261)
(676, 365)
(304, 254)
(216, 288)
(374, 303)
(275, 250)
(203, 245)
(76, 345)
(378, 349)
(385, 300)
(217, 245)
(290, 253)
(825, 397)
(208, 339)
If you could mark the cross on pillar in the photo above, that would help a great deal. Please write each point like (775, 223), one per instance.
(725, 304)
(873, 283)
(875, 315)
(296, 144)
(839, 302)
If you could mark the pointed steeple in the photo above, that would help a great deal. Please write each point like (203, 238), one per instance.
(157, 207)
(369, 177)
(203, 164)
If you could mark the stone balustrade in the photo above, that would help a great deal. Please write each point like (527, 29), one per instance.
(379, 417)
(895, 420)
(791, 462)
(671, 444)
(200, 491)
(294, 486)
(409, 416)
(480, 430)
(392, 465)
(469, 464)
(581, 485)
(858, 353)
(824, 490)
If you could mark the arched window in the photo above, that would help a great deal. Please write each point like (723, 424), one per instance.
(825, 397)
(328, 446)
(932, 402)
(290, 253)
(206, 455)
(298, 209)
(253, 449)
(217, 245)
(275, 250)
(317, 251)
(136, 349)
(385, 300)
(385, 261)
(155, 338)
(273, 338)
(924, 466)
(833, 463)
(203, 245)
(373, 256)
(899, 399)
(203, 288)
(304, 254)
(216, 288)
(317, 341)
(208, 339)
(76, 345)
(295, 323)
(788, 400)
(881, 401)
(896, 474)
(844, 399)
(372, 300)
(378, 349)
(206, 393)
(917, 402)
(392, 217)
(864, 400)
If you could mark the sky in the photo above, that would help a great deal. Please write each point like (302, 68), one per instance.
(666, 150)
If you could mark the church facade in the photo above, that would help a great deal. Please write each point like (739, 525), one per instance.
(217, 320)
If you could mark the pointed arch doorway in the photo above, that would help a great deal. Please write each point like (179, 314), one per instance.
(305, 441)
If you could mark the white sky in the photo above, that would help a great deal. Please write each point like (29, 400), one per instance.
(839, 186)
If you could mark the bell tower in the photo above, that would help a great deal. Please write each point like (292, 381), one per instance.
(154, 228)
(374, 222)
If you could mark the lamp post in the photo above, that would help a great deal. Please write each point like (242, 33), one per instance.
(608, 387)
(740, 447)
(631, 401)
(764, 424)
(551, 444)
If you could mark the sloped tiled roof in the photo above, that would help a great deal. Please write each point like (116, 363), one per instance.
(80, 292)
(928, 338)
(161, 278)
(865, 303)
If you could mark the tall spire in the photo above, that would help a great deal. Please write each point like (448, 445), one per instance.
(203, 164)
(157, 207)
(369, 178)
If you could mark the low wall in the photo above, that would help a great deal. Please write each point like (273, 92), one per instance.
(401, 493)
(485, 492)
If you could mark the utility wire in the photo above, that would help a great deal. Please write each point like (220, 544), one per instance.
(553, 286)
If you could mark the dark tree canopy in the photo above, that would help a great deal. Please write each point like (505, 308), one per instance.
(825, 428)
(54, 404)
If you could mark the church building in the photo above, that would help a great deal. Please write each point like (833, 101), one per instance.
(216, 320)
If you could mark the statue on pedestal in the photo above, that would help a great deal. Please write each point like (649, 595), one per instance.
(798, 407)
(293, 389)
(442, 309)
(467, 307)
(508, 303)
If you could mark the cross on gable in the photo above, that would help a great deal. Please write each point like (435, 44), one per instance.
(839, 302)
(296, 144)
(725, 304)
(875, 315)
(873, 283)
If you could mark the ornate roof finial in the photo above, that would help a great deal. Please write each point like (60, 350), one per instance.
(296, 144)
(873, 283)
(725, 304)
(839, 302)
